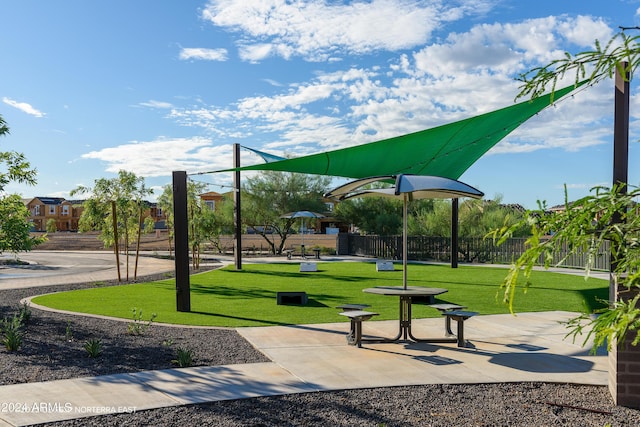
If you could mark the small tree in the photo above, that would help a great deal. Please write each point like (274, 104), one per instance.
(589, 222)
(609, 215)
(584, 227)
(14, 216)
(115, 208)
(165, 202)
(212, 224)
(51, 226)
(194, 212)
(15, 229)
(205, 225)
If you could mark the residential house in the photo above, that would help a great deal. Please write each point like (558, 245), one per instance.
(66, 213)
(158, 215)
(44, 209)
(211, 199)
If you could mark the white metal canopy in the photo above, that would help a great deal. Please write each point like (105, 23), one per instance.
(407, 187)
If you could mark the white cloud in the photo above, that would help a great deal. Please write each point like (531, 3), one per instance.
(464, 75)
(509, 48)
(585, 30)
(273, 82)
(156, 104)
(318, 30)
(159, 157)
(256, 52)
(24, 107)
(203, 54)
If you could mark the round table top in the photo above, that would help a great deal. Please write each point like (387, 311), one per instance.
(409, 291)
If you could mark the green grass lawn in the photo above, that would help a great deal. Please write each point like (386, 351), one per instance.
(227, 297)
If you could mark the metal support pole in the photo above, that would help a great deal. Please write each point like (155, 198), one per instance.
(405, 239)
(454, 233)
(237, 219)
(620, 151)
(622, 386)
(181, 233)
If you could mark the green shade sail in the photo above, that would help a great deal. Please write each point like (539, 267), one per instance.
(446, 151)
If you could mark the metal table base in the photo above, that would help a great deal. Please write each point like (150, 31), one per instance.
(404, 328)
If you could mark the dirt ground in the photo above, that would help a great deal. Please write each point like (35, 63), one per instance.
(159, 241)
(68, 241)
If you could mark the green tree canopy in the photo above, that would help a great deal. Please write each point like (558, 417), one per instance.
(14, 215)
(476, 218)
(271, 194)
(375, 215)
(205, 224)
(15, 167)
(15, 233)
(115, 208)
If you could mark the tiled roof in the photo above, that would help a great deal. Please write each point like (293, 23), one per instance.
(515, 207)
(51, 200)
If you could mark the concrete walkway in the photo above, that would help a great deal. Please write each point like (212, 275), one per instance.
(304, 358)
(529, 347)
(48, 268)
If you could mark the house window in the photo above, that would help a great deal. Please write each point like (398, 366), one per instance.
(52, 209)
(36, 210)
(159, 212)
(211, 204)
(65, 209)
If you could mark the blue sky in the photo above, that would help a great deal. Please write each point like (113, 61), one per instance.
(89, 88)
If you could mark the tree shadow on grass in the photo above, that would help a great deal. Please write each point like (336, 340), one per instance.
(590, 297)
(232, 292)
(298, 275)
(594, 299)
(258, 293)
(258, 322)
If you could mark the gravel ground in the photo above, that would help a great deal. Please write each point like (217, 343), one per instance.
(53, 349)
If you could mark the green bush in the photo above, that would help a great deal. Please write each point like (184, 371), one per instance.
(68, 333)
(24, 313)
(138, 326)
(12, 333)
(184, 358)
(93, 347)
(51, 226)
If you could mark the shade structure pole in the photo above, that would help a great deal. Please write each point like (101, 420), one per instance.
(181, 237)
(623, 386)
(237, 219)
(405, 240)
(454, 233)
(620, 142)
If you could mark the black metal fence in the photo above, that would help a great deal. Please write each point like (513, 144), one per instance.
(474, 249)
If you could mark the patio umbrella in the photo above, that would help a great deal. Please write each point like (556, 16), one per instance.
(407, 188)
(304, 215)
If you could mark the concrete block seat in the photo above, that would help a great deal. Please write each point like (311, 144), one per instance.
(293, 298)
